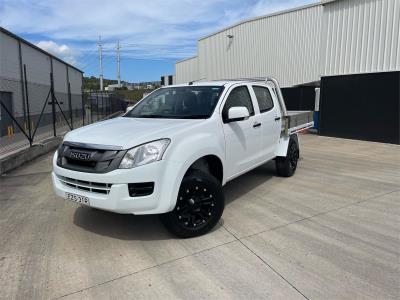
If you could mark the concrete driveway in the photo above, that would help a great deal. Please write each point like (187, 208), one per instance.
(330, 232)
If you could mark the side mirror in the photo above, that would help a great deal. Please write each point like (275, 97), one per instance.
(237, 113)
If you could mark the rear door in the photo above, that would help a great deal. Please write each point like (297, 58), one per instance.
(270, 117)
(242, 138)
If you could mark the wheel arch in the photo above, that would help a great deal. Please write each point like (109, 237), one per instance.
(283, 145)
(211, 164)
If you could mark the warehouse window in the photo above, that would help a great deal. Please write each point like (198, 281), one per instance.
(238, 97)
(264, 98)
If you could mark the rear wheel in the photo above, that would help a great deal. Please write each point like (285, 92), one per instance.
(286, 166)
(198, 208)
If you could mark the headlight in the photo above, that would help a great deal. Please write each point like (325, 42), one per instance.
(144, 154)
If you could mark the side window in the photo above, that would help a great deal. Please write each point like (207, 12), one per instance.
(239, 96)
(264, 98)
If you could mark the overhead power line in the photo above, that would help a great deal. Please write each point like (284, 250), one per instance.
(101, 63)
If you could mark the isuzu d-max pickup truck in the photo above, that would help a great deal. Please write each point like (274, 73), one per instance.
(172, 153)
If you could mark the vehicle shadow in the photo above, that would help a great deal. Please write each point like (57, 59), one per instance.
(119, 226)
(149, 227)
(242, 185)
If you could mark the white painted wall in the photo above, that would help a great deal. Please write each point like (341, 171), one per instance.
(187, 70)
(280, 45)
(360, 36)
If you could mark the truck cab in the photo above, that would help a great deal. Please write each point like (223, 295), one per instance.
(172, 153)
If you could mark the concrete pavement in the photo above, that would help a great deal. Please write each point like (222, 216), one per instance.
(330, 232)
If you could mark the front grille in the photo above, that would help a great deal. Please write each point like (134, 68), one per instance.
(88, 186)
(89, 158)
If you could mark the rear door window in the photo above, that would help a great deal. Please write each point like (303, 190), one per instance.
(264, 98)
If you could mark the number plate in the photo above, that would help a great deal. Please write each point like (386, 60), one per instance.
(77, 198)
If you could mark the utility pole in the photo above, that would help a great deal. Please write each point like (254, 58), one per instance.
(118, 65)
(101, 62)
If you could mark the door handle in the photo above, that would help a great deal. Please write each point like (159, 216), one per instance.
(257, 125)
(277, 118)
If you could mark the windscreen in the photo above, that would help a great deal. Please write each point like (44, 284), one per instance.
(186, 102)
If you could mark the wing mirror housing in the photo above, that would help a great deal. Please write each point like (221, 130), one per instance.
(237, 113)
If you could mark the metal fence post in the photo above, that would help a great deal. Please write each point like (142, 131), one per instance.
(70, 104)
(91, 107)
(22, 82)
(97, 106)
(83, 110)
(102, 105)
(83, 104)
(53, 102)
(27, 107)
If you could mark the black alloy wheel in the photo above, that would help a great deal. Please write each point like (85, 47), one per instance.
(286, 166)
(293, 154)
(199, 205)
(195, 205)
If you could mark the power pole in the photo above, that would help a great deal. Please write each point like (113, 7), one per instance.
(101, 62)
(118, 65)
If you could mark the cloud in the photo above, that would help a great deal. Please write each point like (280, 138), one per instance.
(61, 51)
(155, 29)
(263, 7)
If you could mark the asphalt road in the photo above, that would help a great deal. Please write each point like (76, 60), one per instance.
(330, 232)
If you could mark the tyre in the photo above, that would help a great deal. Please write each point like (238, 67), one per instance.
(198, 208)
(286, 166)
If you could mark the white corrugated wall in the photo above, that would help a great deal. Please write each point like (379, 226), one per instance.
(281, 45)
(360, 36)
(187, 70)
(300, 46)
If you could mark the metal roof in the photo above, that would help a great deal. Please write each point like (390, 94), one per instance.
(182, 60)
(5, 31)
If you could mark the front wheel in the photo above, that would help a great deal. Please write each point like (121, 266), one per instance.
(286, 166)
(198, 208)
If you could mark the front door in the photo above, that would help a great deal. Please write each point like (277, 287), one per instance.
(242, 138)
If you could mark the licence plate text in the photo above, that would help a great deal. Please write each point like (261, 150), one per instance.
(77, 198)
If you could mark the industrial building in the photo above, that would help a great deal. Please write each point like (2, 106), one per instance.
(168, 80)
(348, 48)
(22, 95)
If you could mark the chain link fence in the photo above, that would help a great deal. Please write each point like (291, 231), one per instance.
(32, 112)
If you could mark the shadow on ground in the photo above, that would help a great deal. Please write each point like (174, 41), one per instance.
(242, 185)
(149, 227)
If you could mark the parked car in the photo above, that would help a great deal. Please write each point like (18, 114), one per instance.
(172, 153)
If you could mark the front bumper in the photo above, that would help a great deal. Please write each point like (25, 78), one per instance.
(118, 199)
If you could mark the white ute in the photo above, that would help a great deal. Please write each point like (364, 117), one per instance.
(174, 150)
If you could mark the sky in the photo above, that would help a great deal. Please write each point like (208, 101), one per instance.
(153, 34)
